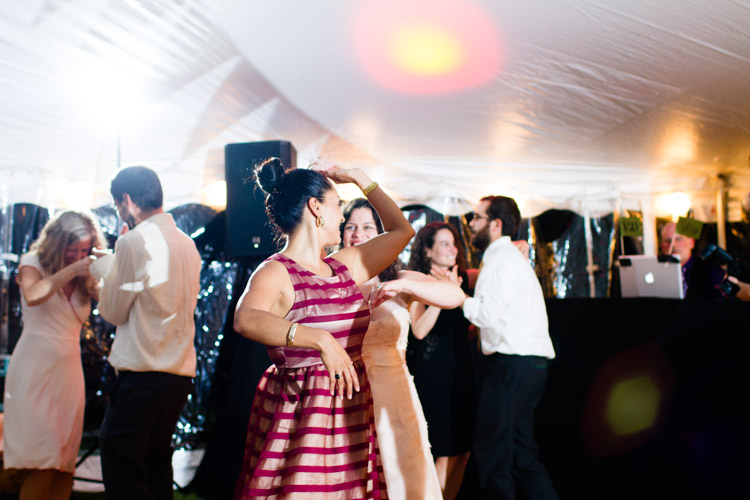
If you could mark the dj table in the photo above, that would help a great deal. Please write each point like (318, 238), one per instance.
(647, 398)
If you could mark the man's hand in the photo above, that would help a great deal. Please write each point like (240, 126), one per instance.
(744, 293)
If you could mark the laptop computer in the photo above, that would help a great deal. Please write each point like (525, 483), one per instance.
(646, 276)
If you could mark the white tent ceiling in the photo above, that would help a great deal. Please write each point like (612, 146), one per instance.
(587, 105)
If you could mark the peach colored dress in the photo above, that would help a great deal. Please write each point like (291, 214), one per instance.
(402, 429)
(44, 389)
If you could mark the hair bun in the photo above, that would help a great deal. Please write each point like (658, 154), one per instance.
(270, 175)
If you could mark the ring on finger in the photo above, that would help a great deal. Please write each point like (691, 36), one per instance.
(337, 376)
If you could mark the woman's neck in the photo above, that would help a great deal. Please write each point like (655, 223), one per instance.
(306, 250)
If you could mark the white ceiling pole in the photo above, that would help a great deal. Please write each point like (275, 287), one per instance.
(590, 267)
(721, 214)
(650, 241)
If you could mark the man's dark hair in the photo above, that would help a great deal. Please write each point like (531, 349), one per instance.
(141, 184)
(505, 209)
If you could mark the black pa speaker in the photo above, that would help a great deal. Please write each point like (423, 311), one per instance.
(249, 231)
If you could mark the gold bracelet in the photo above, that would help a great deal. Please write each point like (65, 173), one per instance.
(290, 335)
(370, 188)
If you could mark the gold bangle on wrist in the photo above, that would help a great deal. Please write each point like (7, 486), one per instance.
(290, 335)
(370, 188)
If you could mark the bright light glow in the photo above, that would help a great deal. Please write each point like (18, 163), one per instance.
(675, 204)
(633, 405)
(77, 195)
(425, 50)
(508, 137)
(348, 191)
(215, 195)
(426, 47)
(107, 97)
(679, 143)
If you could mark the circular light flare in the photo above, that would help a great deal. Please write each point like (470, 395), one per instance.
(422, 47)
(633, 405)
(426, 50)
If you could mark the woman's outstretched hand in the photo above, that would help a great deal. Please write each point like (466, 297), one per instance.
(385, 291)
(338, 363)
(450, 274)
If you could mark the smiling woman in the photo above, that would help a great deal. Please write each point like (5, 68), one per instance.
(402, 430)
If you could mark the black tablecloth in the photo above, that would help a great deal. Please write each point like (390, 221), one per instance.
(690, 354)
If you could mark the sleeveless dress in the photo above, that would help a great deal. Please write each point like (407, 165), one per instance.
(301, 441)
(443, 375)
(402, 430)
(44, 388)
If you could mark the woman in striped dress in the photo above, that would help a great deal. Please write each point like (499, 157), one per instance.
(311, 432)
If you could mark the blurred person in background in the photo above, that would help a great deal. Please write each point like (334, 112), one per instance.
(149, 291)
(699, 277)
(439, 357)
(44, 388)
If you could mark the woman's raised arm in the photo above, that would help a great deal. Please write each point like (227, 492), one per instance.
(37, 290)
(369, 258)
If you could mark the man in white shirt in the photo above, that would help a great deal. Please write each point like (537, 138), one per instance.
(508, 307)
(150, 292)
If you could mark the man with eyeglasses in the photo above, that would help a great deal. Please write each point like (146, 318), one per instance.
(508, 307)
(150, 293)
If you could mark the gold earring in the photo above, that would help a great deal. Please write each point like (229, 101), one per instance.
(320, 221)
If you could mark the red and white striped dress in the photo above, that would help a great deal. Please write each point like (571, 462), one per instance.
(301, 441)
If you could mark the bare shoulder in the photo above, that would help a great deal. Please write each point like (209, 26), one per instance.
(269, 288)
(268, 273)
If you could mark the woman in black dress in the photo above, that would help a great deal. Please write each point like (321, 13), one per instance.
(439, 357)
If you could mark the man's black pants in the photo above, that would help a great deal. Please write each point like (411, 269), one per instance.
(504, 446)
(136, 435)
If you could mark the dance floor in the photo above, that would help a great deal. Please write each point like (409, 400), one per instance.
(89, 473)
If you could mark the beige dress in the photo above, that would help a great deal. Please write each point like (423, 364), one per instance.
(44, 388)
(401, 427)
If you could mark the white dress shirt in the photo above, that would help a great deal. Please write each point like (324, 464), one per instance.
(508, 304)
(150, 293)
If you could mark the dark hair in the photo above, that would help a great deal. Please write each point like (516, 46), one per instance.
(141, 184)
(425, 238)
(506, 210)
(287, 192)
(360, 203)
(390, 272)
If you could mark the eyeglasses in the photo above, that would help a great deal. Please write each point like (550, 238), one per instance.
(475, 215)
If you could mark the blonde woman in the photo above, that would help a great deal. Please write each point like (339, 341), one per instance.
(44, 388)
